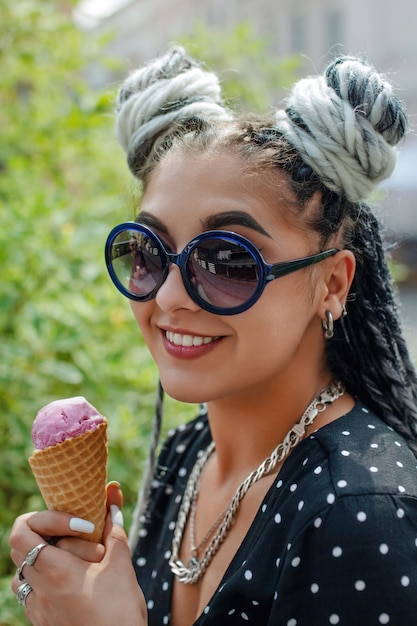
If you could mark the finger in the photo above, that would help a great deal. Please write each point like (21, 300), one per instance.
(113, 530)
(115, 539)
(23, 539)
(15, 586)
(33, 528)
(115, 515)
(114, 494)
(29, 570)
(85, 550)
(16, 583)
(114, 506)
(59, 524)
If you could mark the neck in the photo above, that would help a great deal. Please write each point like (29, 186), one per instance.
(246, 432)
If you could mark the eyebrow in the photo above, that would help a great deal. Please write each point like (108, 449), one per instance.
(147, 219)
(212, 222)
(228, 218)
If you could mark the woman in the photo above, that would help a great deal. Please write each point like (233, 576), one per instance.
(265, 296)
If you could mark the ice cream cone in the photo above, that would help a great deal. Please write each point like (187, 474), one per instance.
(72, 477)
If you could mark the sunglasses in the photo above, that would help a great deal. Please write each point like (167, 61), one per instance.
(223, 272)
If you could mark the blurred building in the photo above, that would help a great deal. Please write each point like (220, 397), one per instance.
(317, 29)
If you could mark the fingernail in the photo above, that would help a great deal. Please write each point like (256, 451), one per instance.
(113, 483)
(81, 525)
(116, 515)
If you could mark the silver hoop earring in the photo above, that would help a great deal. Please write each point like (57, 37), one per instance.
(344, 310)
(328, 325)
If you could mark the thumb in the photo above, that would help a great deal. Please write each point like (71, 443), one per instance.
(114, 522)
(114, 536)
(117, 559)
(114, 494)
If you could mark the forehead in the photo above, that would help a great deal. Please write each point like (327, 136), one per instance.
(189, 187)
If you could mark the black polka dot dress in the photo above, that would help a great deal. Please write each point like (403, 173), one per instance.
(334, 541)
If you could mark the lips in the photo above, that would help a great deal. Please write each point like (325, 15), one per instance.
(187, 341)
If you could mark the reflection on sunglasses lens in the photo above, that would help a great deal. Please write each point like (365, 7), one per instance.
(223, 273)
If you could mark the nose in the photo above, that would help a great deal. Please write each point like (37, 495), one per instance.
(172, 295)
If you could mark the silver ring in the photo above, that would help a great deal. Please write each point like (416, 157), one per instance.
(22, 593)
(30, 559)
(20, 571)
(33, 554)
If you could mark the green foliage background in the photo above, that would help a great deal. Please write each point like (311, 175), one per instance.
(64, 331)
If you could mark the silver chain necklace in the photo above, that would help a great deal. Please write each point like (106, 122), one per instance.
(195, 568)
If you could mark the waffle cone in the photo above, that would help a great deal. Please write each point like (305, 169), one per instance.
(72, 477)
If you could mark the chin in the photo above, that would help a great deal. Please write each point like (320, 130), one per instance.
(187, 397)
(183, 392)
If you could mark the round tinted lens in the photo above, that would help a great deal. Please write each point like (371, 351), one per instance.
(136, 262)
(223, 273)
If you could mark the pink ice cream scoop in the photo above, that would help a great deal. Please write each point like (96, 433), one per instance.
(63, 419)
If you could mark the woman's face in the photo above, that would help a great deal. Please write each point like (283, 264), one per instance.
(202, 356)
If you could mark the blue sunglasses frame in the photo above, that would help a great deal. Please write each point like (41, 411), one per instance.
(267, 272)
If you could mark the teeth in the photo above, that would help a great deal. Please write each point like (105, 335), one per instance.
(187, 340)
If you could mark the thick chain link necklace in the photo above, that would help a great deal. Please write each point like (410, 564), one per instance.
(195, 568)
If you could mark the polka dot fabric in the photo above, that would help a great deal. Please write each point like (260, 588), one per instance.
(334, 541)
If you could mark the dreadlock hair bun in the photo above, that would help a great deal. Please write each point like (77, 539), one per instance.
(167, 91)
(345, 125)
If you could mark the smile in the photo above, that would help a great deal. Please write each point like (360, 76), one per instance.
(188, 340)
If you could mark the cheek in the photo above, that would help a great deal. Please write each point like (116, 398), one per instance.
(281, 317)
(135, 310)
(289, 297)
(142, 312)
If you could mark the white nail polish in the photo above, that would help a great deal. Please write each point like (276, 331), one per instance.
(81, 525)
(116, 515)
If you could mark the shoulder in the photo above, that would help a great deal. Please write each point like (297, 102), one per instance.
(348, 509)
(176, 459)
(355, 469)
(363, 455)
(183, 443)
(174, 464)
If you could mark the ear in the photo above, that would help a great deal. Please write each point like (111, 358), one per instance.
(338, 279)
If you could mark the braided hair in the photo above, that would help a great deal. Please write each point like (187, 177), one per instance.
(336, 137)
